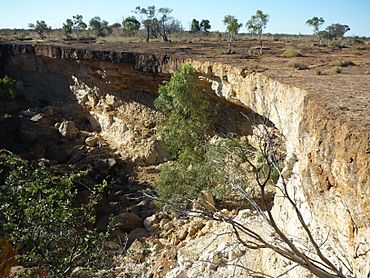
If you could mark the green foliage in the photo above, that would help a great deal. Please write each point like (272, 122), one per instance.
(39, 217)
(101, 27)
(316, 23)
(291, 53)
(195, 27)
(40, 28)
(68, 28)
(78, 24)
(130, 25)
(256, 24)
(7, 88)
(184, 125)
(232, 26)
(336, 31)
(205, 26)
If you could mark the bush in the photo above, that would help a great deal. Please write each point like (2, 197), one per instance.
(184, 125)
(336, 70)
(291, 53)
(298, 65)
(7, 88)
(342, 63)
(38, 217)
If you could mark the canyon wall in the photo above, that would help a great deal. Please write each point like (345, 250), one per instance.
(327, 151)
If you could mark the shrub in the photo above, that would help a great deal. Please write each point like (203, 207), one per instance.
(342, 63)
(184, 125)
(336, 70)
(7, 88)
(38, 217)
(298, 65)
(291, 53)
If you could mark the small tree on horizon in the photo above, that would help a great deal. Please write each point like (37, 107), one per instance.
(232, 26)
(68, 28)
(316, 23)
(130, 25)
(147, 16)
(195, 27)
(256, 24)
(40, 28)
(205, 26)
(78, 25)
(101, 27)
(337, 31)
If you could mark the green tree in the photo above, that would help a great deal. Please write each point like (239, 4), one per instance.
(68, 28)
(195, 27)
(101, 27)
(256, 24)
(147, 16)
(337, 31)
(39, 217)
(184, 125)
(40, 28)
(130, 25)
(316, 23)
(205, 26)
(7, 88)
(78, 25)
(232, 26)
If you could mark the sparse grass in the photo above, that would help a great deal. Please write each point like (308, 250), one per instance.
(342, 63)
(291, 53)
(298, 65)
(220, 51)
(336, 70)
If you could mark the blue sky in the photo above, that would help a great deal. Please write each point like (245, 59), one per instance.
(286, 16)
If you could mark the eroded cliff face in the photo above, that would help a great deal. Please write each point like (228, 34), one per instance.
(327, 163)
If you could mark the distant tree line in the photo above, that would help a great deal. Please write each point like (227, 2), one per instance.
(158, 23)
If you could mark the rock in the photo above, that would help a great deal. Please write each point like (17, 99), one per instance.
(137, 233)
(91, 141)
(68, 129)
(127, 221)
(48, 110)
(37, 117)
(151, 223)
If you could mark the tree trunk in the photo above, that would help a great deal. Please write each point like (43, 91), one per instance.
(260, 39)
(147, 34)
(229, 44)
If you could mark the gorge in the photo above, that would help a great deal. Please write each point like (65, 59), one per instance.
(108, 94)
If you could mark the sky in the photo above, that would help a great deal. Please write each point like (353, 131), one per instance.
(286, 16)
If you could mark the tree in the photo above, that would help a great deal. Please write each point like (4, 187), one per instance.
(195, 28)
(130, 25)
(256, 24)
(38, 215)
(68, 28)
(337, 31)
(184, 127)
(232, 26)
(101, 27)
(7, 88)
(147, 16)
(163, 22)
(40, 28)
(316, 23)
(78, 25)
(205, 26)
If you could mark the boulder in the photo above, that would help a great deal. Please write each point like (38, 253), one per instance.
(127, 221)
(68, 129)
